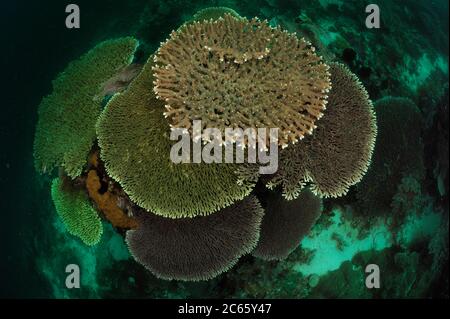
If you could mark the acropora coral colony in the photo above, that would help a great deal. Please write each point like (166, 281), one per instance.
(106, 126)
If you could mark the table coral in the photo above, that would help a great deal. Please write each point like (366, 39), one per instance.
(241, 73)
(213, 13)
(76, 212)
(196, 248)
(339, 152)
(285, 223)
(398, 152)
(134, 140)
(65, 130)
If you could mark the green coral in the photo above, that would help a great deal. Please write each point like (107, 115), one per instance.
(213, 13)
(134, 139)
(66, 126)
(76, 212)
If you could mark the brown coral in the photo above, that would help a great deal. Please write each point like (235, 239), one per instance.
(108, 203)
(339, 152)
(94, 160)
(241, 73)
(285, 223)
(197, 248)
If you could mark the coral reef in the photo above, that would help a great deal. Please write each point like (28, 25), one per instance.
(196, 248)
(318, 269)
(256, 76)
(135, 147)
(409, 195)
(436, 139)
(94, 261)
(339, 152)
(76, 212)
(108, 203)
(197, 224)
(213, 13)
(285, 223)
(398, 152)
(65, 130)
